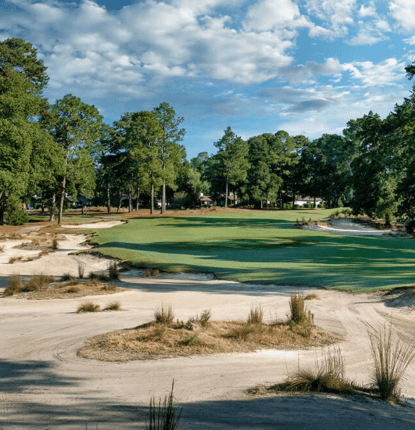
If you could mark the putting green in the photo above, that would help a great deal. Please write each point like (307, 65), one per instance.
(263, 247)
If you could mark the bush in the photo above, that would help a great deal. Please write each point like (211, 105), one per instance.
(256, 315)
(391, 357)
(16, 215)
(164, 315)
(321, 206)
(113, 272)
(164, 416)
(151, 271)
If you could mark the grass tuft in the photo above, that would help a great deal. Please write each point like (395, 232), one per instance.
(81, 269)
(1, 249)
(97, 277)
(165, 415)
(55, 244)
(15, 285)
(109, 287)
(113, 272)
(391, 357)
(72, 290)
(312, 296)
(88, 307)
(151, 271)
(164, 315)
(15, 259)
(328, 376)
(67, 277)
(37, 282)
(113, 306)
(256, 315)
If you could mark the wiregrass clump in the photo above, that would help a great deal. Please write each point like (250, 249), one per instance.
(37, 282)
(67, 277)
(113, 272)
(81, 269)
(164, 415)
(13, 260)
(113, 306)
(256, 315)
(55, 244)
(15, 285)
(327, 376)
(151, 271)
(88, 307)
(391, 357)
(164, 315)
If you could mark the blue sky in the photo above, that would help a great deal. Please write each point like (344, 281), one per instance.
(259, 66)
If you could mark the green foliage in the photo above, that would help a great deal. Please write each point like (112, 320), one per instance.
(16, 215)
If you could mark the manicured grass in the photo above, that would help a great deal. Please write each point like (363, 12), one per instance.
(263, 247)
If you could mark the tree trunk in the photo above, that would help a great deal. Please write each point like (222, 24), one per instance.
(108, 199)
(152, 200)
(119, 202)
(262, 204)
(163, 198)
(52, 208)
(60, 214)
(226, 194)
(314, 202)
(3, 203)
(293, 199)
(137, 205)
(130, 198)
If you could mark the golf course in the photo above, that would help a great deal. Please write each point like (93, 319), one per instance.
(262, 247)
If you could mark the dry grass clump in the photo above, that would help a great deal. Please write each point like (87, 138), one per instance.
(81, 269)
(35, 283)
(299, 315)
(165, 415)
(256, 315)
(15, 259)
(88, 307)
(164, 315)
(151, 271)
(312, 296)
(1, 248)
(109, 287)
(72, 290)
(327, 376)
(67, 277)
(98, 277)
(113, 306)
(113, 272)
(55, 244)
(391, 357)
(15, 285)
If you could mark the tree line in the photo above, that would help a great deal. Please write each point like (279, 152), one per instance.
(65, 148)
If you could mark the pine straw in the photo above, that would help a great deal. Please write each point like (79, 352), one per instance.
(154, 341)
(69, 290)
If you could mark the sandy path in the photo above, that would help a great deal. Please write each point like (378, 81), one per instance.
(45, 385)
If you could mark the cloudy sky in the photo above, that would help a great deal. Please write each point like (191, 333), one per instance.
(304, 66)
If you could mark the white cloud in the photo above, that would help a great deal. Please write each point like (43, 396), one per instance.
(368, 11)
(370, 33)
(388, 72)
(410, 40)
(270, 15)
(404, 13)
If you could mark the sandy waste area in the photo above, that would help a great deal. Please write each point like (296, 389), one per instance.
(45, 385)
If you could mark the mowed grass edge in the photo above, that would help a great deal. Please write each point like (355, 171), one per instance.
(262, 247)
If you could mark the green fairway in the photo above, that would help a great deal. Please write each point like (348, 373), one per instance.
(263, 247)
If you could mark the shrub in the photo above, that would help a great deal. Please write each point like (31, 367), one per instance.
(113, 306)
(15, 286)
(391, 357)
(113, 271)
(321, 206)
(15, 215)
(164, 315)
(81, 269)
(165, 416)
(256, 315)
(88, 307)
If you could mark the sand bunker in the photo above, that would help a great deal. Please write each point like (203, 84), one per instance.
(103, 224)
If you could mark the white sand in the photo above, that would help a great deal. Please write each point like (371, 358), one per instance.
(45, 385)
(103, 224)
